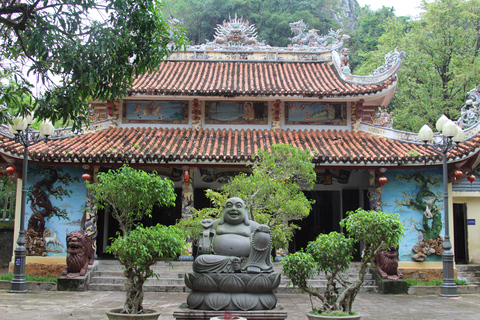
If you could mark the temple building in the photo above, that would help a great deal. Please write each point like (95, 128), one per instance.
(204, 114)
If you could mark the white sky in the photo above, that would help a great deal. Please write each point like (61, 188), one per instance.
(402, 7)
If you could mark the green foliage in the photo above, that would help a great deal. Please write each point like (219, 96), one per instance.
(332, 254)
(137, 251)
(92, 49)
(437, 282)
(373, 228)
(131, 194)
(273, 192)
(29, 278)
(8, 192)
(441, 65)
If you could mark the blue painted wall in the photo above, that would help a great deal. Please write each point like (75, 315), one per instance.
(74, 204)
(400, 189)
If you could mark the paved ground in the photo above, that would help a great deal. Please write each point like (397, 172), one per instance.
(93, 304)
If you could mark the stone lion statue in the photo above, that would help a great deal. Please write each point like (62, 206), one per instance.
(386, 263)
(80, 253)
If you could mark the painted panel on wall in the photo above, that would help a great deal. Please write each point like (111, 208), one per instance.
(236, 112)
(155, 111)
(417, 196)
(315, 113)
(56, 199)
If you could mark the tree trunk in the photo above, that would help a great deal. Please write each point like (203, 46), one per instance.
(134, 296)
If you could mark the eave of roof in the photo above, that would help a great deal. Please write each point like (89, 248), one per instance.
(251, 78)
(207, 146)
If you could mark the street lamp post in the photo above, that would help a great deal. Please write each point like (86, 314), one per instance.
(20, 127)
(450, 134)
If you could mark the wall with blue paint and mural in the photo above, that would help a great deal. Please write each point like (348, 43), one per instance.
(56, 199)
(417, 196)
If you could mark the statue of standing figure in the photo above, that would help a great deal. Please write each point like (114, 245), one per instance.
(233, 270)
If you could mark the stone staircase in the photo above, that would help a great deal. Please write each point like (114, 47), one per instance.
(471, 272)
(108, 276)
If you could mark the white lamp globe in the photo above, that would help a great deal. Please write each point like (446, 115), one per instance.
(449, 129)
(19, 124)
(460, 136)
(46, 128)
(425, 134)
(29, 118)
(441, 122)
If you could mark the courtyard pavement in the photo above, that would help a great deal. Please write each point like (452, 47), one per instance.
(53, 305)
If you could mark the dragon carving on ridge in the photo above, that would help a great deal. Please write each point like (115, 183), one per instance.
(312, 38)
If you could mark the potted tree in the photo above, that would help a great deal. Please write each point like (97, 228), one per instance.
(130, 195)
(332, 255)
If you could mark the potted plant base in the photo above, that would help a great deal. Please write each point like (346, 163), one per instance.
(347, 317)
(148, 315)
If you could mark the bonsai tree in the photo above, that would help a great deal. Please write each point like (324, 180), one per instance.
(272, 192)
(131, 195)
(138, 251)
(332, 254)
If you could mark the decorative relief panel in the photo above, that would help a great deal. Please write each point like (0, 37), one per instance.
(316, 113)
(145, 111)
(236, 112)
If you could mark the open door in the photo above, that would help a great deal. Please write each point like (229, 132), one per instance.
(460, 233)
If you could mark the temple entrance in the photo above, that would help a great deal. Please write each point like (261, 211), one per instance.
(108, 226)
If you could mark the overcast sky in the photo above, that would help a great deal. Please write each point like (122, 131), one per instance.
(402, 7)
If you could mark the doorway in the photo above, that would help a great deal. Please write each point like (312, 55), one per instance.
(460, 234)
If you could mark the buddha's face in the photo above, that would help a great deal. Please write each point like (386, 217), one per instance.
(234, 211)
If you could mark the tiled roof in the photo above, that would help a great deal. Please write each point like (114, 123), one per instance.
(160, 145)
(247, 78)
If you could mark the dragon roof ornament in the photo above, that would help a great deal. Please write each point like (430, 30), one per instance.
(393, 61)
(331, 41)
(470, 112)
(237, 34)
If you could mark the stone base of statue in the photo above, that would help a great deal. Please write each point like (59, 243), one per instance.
(232, 291)
(185, 313)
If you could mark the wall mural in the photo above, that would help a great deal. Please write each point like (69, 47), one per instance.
(315, 113)
(417, 195)
(55, 205)
(236, 112)
(155, 111)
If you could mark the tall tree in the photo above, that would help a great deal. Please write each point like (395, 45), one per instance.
(83, 49)
(442, 63)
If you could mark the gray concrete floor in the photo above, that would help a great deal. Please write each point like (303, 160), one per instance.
(54, 305)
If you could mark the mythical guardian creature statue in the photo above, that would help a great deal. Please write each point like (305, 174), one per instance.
(386, 262)
(470, 111)
(79, 254)
(312, 38)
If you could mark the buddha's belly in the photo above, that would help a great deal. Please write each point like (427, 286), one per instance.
(232, 245)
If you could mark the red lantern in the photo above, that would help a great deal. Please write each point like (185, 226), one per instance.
(471, 178)
(185, 175)
(86, 177)
(382, 180)
(1, 173)
(458, 174)
(10, 170)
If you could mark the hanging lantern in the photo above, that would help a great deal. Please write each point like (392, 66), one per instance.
(10, 170)
(1, 174)
(382, 181)
(186, 177)
(471, 178)
(458, 174)
(86, 177)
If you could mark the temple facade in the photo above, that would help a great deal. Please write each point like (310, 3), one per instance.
(204, 114)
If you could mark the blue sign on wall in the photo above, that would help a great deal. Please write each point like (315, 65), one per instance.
(471, 222)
